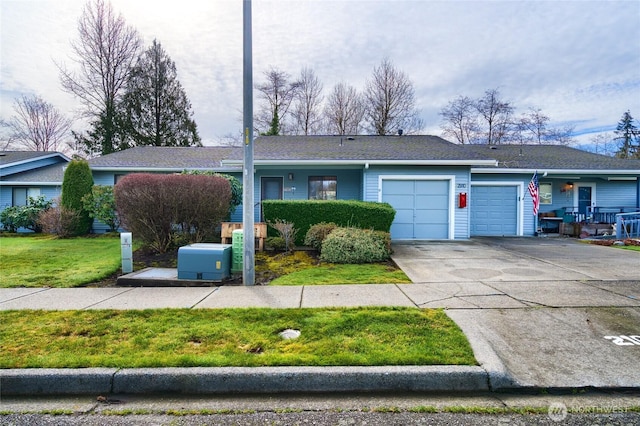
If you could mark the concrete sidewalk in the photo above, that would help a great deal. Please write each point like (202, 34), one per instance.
(539, 313)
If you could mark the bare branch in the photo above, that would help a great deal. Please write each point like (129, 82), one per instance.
(344, 111)
(37, 125)
(390, 101)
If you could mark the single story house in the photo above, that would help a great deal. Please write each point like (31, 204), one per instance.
(440, 190)
(26, 174)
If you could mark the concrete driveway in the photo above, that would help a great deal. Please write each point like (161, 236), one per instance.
(553, 313)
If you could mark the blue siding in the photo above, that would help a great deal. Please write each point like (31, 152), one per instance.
(349, 184)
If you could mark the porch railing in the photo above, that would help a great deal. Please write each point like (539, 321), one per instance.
(598, 214)
(628, 225)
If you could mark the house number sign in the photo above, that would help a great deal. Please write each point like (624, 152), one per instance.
(624, 340)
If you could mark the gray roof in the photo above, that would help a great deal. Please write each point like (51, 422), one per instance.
(164, 158)
(48, 175)
(362, 149)
(34, 172)
(551, 157)
(406, 149)
(7, 158)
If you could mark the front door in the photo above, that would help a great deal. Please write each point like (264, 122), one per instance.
(585, 198)
(270, 189)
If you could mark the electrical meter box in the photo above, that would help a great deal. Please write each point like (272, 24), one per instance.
(204, 261)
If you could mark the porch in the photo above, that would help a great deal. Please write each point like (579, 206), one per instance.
(591, 221)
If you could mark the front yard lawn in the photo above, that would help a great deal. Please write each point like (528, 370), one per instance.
(44, 261)
(230, 337)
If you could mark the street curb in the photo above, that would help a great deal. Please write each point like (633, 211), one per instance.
(239, 380)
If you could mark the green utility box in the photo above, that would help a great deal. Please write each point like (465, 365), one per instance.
(237, 251)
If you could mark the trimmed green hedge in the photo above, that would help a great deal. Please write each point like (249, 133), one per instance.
(345, 213)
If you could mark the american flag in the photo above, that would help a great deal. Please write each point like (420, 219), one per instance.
(533, 190)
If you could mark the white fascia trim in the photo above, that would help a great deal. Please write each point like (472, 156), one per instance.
(557, 171)
(20, 183)
(369, 162)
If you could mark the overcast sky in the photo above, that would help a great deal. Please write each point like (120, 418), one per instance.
(578, 61)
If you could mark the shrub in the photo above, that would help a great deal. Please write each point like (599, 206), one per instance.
(317, 233)
(100, 203)
(234, 183)
(26, 216)
(276, 243)
(166, 210)
(59, 220)
(77, 182)
(287, 232)
(353, 245)
(304, 214)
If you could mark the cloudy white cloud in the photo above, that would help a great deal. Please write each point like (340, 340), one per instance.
(579, 61)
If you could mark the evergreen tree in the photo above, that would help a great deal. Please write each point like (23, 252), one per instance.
(77, 182)
(155, 107)
(628, 137)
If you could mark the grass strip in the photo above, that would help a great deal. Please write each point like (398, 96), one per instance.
(344, 274)
(230, 337)
(44, 261)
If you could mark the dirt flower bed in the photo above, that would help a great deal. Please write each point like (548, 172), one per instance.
(627, 242)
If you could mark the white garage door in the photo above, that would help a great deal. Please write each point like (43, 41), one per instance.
(494, 210)
(422, 208)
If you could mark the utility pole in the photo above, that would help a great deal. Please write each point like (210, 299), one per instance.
(249, 267)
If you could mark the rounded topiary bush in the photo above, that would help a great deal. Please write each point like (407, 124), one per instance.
(353, 245)
(317, 234)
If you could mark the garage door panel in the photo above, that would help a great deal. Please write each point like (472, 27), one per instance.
(402, 231)
(494, 210)
(435, 231)
(397, 187)
(404, 216)
(430, 201)
(422, 208)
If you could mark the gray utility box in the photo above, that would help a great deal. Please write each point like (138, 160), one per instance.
(204, 261)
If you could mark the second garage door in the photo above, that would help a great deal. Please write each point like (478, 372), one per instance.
(494, 210)
(422, 208)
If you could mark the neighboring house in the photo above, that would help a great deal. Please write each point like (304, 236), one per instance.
(26, 174)
(440, 190)
(108, 169)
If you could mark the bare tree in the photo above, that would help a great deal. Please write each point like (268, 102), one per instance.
(460, 120)
(344, 111)
(37, 125)
(307, 112)
(105, 52)
(532, 126)
(6, 137)
(390, 101)
(604, 143)
(277, 93)
(560, 135)
(231, 139)
(496, 114)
